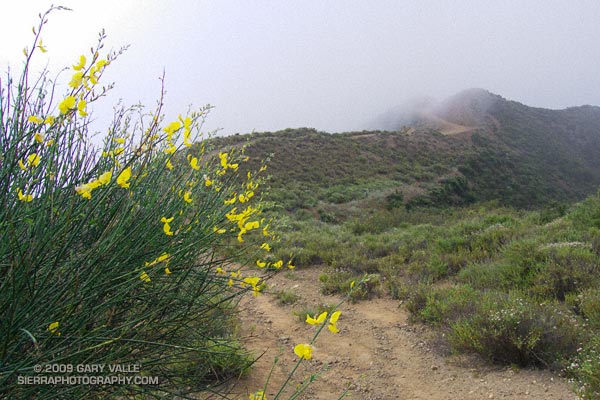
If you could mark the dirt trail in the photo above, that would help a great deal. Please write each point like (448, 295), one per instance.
(377, 354)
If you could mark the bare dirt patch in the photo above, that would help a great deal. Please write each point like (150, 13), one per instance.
(378, 354)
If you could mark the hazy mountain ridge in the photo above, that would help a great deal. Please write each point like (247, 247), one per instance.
(473, 146)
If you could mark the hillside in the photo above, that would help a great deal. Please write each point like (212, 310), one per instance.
(462, 221)
(474, 146)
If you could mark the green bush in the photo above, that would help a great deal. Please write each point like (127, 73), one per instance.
(585, 369)
(443, 306)
(510, 329)
(567, 268)
(498, 275)
(112, 255)
(587, 304)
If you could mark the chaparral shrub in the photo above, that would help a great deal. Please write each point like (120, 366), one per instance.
(111, 254)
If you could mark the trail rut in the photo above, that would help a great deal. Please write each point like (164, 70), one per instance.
(377, 354)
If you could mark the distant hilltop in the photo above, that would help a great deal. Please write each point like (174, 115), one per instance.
(473, 146)
(466, 110)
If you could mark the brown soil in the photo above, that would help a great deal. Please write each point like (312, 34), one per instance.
(377, 354)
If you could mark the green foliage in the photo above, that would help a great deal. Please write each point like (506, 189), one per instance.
(394, 200)
(587, 304)
(513, 330)
(421, 213)
(585, 369)
(108, 256)
(286, 296)
(443, 306)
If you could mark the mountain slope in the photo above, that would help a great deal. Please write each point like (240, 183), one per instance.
(474, 146)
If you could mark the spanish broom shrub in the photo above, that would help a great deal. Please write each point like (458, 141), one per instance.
(112, 254)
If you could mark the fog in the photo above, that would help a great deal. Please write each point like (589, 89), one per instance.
(331, 65)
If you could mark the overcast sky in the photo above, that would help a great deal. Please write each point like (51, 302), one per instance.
(328, 64)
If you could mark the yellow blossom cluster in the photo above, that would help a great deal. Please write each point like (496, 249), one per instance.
(76, 100)
(258, 395)
(82, 78)
(163, 259)
(172, 129)
(53, 328)
(322, 317)
(85, 190)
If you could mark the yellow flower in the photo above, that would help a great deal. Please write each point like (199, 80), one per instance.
(318, 320)
(169, 165)
(265, 246)
(225, 164)
(171, 149)
(144, 276)
(167, 227)
(123, 177)
(332, 321)
(118, 151)
(251, 225)
(265, 231)
(186, 138)
(53, 328)
(187, 123)
(35, 119)
(194, 163)
(187, 197)
(101, 64)
(49, 120)
(352, 284)
(261, 264)
(24, 197)
(230, 282)
(219, 231)
(92, 77)
(254, 281)
(290, 266)
(278, 264)
(167, 271)
(38, 137)
(208, 182)
(231, 200)
(223, 157)
(304, 350)
(33, 160)
(84, 190)
(81, 105)
(81, 64)
(240, 236)
(259, 395)
(41, 47)
(104, 179)
(163, 257)
(22, 165)
(76, 80)
(67, 104)
(171, 129)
